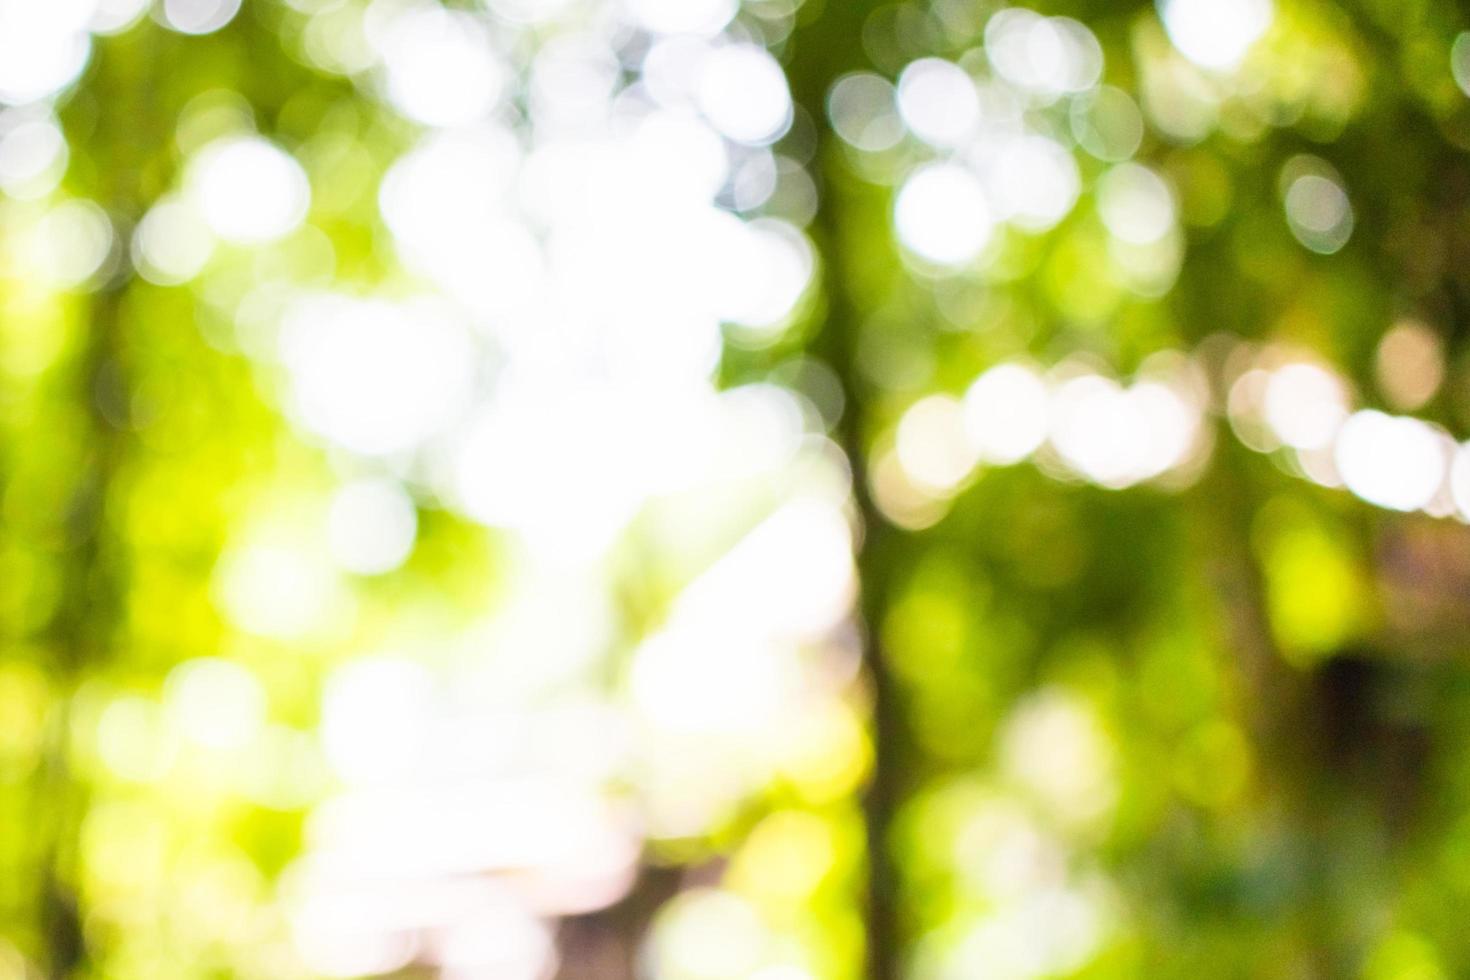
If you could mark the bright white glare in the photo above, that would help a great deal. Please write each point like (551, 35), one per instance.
(939, 102)
(707, 935)
(704, 17)
(505, 941)
(772, 263)
(932, 444)
(791, 577)
(249, 190)
(1119, 436)
(1393, 462)
(1006, 413)
(44, 46)
(215, 703)
(1135, 204)
(172, 244)
(1319, 213)
(441, 69)
(864, 112)
(376, 714)
(1049, 56)
(70, 242)
(1034, 182)
(529, 11)
(743, 93)
(527, 460)
(572, 79)
(115, 16)
(33, 157)
(1304, 405)
(275, 591)
(687, 682)
(446, 203)
(942, 214)
(1460, 480)
(371, 526)
(1216, 34)
(334, 936)
(373, 376)
(199, 16)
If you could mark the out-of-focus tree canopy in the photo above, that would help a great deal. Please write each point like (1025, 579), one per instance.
(734, 489)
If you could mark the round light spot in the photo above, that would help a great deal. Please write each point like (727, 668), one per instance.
(1304, 405)
(1393, 462)
(743, 93)
(1216, 34)
(942, 214)
(199, 16)
(249, 190)
(371, 526)
(1006, 413)
(864, 112)
(215, 703)
(1135, 204)
(172, 244)
(1319, 213)
(939, 102)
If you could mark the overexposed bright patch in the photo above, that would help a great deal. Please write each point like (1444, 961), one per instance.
(939, 102)
(686, 682)
(216, 703)
(864, 112)
(275, 590)
(33, 157)
(1135, 204)
(1034, 182)
(1216, 34)
(69, 243)
(375, 718)
(115, 16)
(1047, 56)
(1460, 480)
(1006, 413)
(790, 577)
(932, 444)
(1304, 404)
(374, 376)
(942, 214)
(1391, 461)
(440, 67)
(371, 526)
(1118, 436)
(704, 17)
(199, 16)
(248, 189)
(172, 244)
(742, 92)
(44, 46)
(769, 269)
(1319, 213)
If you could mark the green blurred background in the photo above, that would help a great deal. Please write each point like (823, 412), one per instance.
(719, 490)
